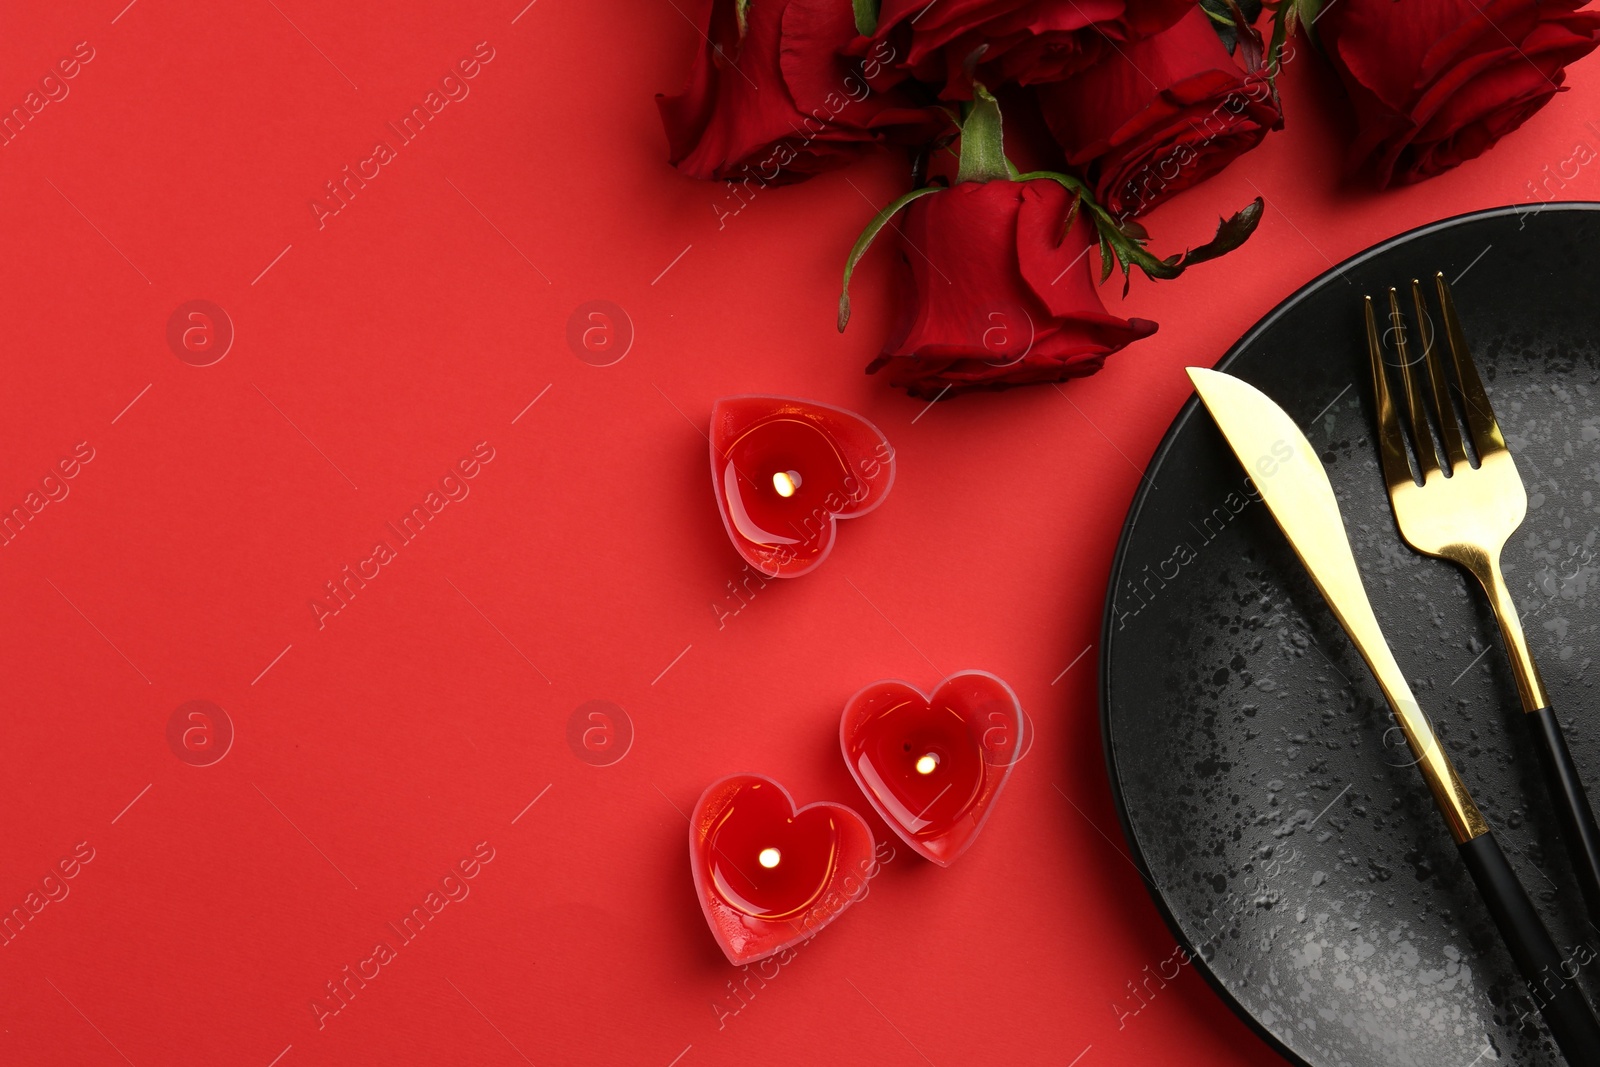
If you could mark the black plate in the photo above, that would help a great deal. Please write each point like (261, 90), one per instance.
(1269, 799)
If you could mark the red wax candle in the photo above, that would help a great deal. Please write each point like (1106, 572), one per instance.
(769, 875)
(933, 765)
(785, 470)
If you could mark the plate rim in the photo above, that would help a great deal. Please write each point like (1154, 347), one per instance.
(1136, 508)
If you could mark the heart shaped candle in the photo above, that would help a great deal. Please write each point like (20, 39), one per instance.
(768, 875)
(933, 765)
(785, 470)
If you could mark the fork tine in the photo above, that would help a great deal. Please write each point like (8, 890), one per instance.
(1416, 404)
(1449, 429)
(1486, 435)
(1391, 445)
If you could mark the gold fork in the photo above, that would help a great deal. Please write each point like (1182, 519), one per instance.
(1464, 513)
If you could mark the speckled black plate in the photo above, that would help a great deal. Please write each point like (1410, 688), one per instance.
(1268, 797)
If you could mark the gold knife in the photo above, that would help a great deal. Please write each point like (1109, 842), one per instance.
(1295, 488)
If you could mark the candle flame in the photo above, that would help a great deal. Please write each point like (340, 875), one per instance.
(927, 762)
(786, 482)
(769, 858)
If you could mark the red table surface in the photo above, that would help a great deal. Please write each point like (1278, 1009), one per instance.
(376, 751)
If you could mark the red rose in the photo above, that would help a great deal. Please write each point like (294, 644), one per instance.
(1437, 82)
(1023, 41)
(1160, 115)
(995, 291)
(779, 101)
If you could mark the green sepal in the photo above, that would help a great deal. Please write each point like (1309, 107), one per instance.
(983, 152)
(865, 240)
(1122, 242)
(1232, 19)
(866, 17)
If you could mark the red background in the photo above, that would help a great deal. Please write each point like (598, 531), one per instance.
(373, 754)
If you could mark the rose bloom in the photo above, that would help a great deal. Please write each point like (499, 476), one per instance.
(994, 291)
(1162, 114)
(784, 102)
(1438, 82)
(1025, 42)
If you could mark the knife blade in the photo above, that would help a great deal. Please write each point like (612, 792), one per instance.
(1295, 488)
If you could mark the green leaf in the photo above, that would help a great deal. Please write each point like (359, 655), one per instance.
(1122, 241)
(866, 17)
(1283, 19)
(741, 15)
(1232, 21)
(863, 242)
(1231, 233)
(983, 154)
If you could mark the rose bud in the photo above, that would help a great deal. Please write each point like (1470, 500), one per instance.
(1001, 42)
(1161, 114)
(773, 99)
(995, 284)
(994, 290)
(1437, 82)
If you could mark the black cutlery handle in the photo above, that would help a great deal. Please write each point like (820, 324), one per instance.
(1550, 977)
(1578, 829)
